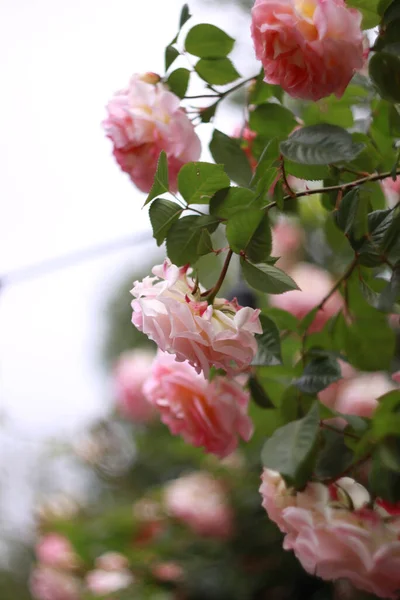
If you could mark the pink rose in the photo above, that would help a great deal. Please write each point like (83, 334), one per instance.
(145, 119)
(329, 395)
(335, 535)
(219, 334)
(314, 284)
(287, 238)
(130, 373)
(167, 571)
(208, 414)
(358, 395)
(54, 550)
(46, 583)
(112, 561)
(200, 501)
(311, 48)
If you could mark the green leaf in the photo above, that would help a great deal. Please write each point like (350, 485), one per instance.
(184, 236)
(283, 319)
(267, 278)
(384, 70)
(178, 82)
(318, 374)
(227, 151)
(185, 15)
(258, 393)
(161, 182)
(198, 181)
(204, 245)
(389, 453)
(391, 293)
(370, 343)
(217, 71)
(171, 54)
(291, 450)
(163, 213)
(369, 11)
(208, 41)
(269, 344)
(321, 144)
(307, 172)
(370, 295)
(383, 482)
(266, 170)
(392, 12)
(352, 214)
(334, 457)
(207, 114)
(228, 201)
(241, 227)
(272, 120)
(260, 246)
(260, 91)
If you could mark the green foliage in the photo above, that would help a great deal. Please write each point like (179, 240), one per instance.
(384, 70)
(292, 449)
(318, 374)
(184, 236)
(163, 213)
(227, 151)
(217, 71)
(199, 181)
(369, 11)
(320, 144)
(267, 278)
(272, 120)
(269, 344)
(178, 81)
(161, 181)
(208, 41)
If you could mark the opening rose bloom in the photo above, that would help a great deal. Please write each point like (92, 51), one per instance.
(200, 501)
(207, 414)
(179, 322)
(130, 373)
(311, 48)
(335, 534)
(144, 119)
(314, 284)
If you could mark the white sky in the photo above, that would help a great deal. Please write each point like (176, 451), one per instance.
(60, 191)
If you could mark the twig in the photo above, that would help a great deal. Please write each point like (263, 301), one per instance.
(344, 277)
(210, 294)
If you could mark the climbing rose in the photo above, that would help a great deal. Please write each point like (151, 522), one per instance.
(391, 190)
(311, 48)
(314, 284)
(46, 583)
(220, 334)
(208, 414)
(334, 534)
(130, 373)
(144, 119)
(201, 502)
(55, 550)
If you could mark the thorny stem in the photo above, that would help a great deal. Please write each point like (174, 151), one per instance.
(337, 285)
(210, 294)
(332, 188)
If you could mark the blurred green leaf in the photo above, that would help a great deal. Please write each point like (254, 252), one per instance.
(272, 120)
(178, 82)
(269, 344)
(318, 374)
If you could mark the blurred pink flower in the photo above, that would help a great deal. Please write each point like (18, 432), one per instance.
(207, 414)
(219, 335)
(130, 373)
(55, 550)
(287, 239)
(112, 561)
(200, 501)
(46, 583)
(391, 190)
(358, 395)
(247, 137)
(167, 571)
(100, 582)
(329, 395)
(314, 284)
(334, 534)
(311, 48)
(144, 119)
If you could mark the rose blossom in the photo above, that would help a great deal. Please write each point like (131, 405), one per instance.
(144, 119)
(46, 583)
(200, 501)
(100, 582)
(314, 284)
(358, 395)
(391, 190)
(209, 414)
(54, 550)
(130, 373)
(311, 48)
(219, 334)
(335, 535)
(287, 238)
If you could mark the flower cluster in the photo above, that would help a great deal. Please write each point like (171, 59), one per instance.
(335, 532)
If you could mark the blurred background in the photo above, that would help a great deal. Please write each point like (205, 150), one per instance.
(63, 195)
